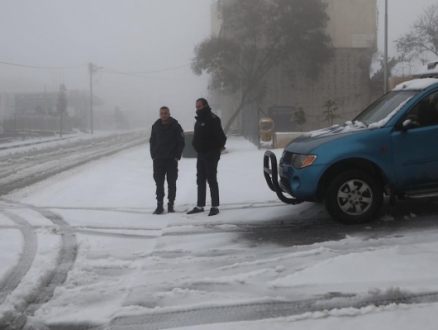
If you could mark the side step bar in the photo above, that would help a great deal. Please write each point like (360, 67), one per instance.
(270, 171)
(419, 196)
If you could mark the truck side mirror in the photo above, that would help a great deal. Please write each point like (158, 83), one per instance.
(411, 122)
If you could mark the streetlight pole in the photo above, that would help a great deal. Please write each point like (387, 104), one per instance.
(15, 121)
(91, 69)
(385, 66)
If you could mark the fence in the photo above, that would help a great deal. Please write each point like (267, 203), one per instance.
(249, 122)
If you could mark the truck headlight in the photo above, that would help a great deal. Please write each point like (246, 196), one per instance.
(302, 161)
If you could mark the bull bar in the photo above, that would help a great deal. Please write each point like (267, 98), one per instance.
(270, 171)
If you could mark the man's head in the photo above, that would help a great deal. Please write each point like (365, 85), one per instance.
(201, 104)
(164, 115)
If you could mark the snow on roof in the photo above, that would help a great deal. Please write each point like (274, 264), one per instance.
(428, 70)
(416, 84)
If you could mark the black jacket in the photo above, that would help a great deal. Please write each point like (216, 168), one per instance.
(209, 135)
(167, 141)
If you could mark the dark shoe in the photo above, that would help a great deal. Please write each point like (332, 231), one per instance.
(196, 210)
(159, 209)
(213, 211)
(170, 208)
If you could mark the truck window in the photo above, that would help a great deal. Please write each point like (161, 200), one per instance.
(427, 110)
(384, 106)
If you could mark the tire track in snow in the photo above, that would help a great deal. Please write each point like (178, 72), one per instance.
(310, 227)
(64, 263)
(93, 232)
(116, 235)
(66, 259)
(13, 277)
(146, 210)
(257, 311)
(246, 312)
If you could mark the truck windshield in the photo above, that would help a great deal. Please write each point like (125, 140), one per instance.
(384, 107)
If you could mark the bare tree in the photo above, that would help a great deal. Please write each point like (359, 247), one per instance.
(330, 107)
(422, 40)
(258, 36)
(377, 80)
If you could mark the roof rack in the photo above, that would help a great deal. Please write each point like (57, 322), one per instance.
(428, 71)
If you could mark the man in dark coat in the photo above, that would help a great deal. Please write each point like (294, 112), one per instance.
(166, 144)
(208, 141)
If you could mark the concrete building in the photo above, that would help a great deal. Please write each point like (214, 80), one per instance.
(35, 110)
(7, 105)
(345, 80)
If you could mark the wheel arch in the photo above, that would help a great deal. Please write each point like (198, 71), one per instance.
(349, 165)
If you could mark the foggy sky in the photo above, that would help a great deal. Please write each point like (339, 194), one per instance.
(402, 14)
(127, 36)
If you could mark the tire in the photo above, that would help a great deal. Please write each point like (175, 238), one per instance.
(354, 197)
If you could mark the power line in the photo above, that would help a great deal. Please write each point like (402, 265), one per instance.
(106, 70)
(164, 70)
(138, 75)
(82, 65)
(42, 67)
(147, 72)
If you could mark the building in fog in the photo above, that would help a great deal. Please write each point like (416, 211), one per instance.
(7, 105)
(37, 110)
(345, 80)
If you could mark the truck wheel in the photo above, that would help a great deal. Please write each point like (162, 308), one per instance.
(353, 197)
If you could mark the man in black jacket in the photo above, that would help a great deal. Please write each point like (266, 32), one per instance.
(166, 144)
(208, 141)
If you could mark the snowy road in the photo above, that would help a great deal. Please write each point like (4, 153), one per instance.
(82, 250)
(27, 165)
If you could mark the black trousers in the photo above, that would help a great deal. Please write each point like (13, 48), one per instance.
(207, 172)
(163, 168)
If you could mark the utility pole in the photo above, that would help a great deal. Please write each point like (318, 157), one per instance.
(91, 69)
(61, 105)
(60, 134)
(15, 120)
(385, 75)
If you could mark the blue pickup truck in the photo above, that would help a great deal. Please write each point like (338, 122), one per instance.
(391, 149)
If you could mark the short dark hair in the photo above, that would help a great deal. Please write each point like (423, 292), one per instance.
(165, 108)
(203, 101)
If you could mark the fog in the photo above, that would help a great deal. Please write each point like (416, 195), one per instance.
(402, 14)
(125, 36)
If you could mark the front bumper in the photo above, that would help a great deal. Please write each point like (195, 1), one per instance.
(270, 171)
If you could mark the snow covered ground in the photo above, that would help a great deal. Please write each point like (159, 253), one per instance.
(40, 144)
(83, 248)
(17, 142)
(25, 165)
